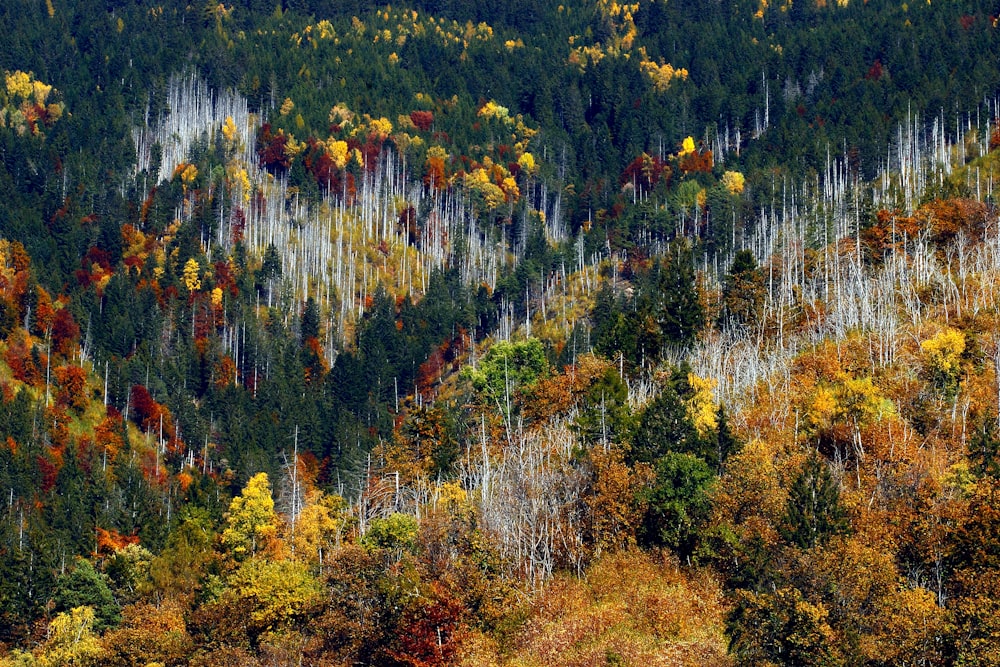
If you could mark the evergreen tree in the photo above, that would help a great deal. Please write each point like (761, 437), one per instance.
(813, 513)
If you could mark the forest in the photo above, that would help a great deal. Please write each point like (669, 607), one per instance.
(522, 333)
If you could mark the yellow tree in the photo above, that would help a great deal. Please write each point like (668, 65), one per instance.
(70, 641)
(252, 523)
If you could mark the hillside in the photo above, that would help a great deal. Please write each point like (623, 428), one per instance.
(499, 333)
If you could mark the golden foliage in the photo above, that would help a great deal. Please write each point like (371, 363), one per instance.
(229, 130)
(733, 181)
(632, 608)
(701, 407)
(191, 275)
(251, 523)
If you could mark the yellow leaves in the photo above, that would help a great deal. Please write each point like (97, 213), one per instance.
(381, 127)
(662, 74)
(325, 30)
(733, 181)
(527, 163)
(286, 106)
(293, 148)
(189, 173)
(190, 276)
(217, 297)
(272, 594)
(451, 495)
(687, 146)
(19, 84)
(824, 407)
(856, 401)
(338, 153)
(943, 358)
(70, 641)
(701, 407)
(229, 130)
(319, 528)
(251, 523)
(944, 351)
(241, 180)
(40, 91)
(478, 180)
(493, 110)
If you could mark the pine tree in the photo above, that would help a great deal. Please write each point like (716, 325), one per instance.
(814, 512)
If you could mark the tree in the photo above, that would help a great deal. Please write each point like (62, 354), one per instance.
(269, 596)
(813, 512)
(507, 368)
(742, 292)
(781, 628)
(665, 426)
(677, 503)
(679, 311)
(251, 523)
(83, 586)
(70, 641)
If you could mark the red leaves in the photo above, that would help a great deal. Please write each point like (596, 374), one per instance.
(875, 72)
(697, 162)
(422, 119)
(645, 172)
(149, 414)
(65, 332)
(271, 149)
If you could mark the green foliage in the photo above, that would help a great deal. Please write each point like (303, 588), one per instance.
(742, 292)
(507, 369)
(665, 426)
(395, 533)
(604, 414)
(814, 512)
(83, 586)
(677, 503)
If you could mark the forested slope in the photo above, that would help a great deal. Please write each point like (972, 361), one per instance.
(499, 333)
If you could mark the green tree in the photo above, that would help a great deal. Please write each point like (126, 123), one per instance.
(665, 426)
(507, 368)
(814, 512)
(677, 503)
(742, 292)
(679, 310)
(83, 586)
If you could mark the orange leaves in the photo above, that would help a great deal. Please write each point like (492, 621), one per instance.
(434, 168)
(25, 360)
(697, 161)
(948, 218)
(72, 382)
(110, 541)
